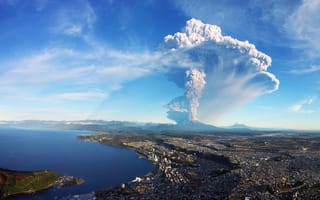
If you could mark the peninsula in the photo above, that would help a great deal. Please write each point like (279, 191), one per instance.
(28, 182)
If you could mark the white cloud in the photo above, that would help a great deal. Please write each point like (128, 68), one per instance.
(305, 22)
(48, 113)
(311, 69)
(76, 19)
(296, 107)
(81, 95)
(47, 66)
(73, 30)
(123, 73)
(303, 106)
(27, 77)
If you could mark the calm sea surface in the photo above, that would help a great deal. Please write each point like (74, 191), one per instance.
(99, 165)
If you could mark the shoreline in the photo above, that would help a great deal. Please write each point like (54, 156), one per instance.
(15, 183)
(191, 166)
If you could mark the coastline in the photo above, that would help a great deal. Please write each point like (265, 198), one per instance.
(15, 183)
(191, 166)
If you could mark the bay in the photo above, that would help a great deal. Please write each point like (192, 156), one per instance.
(101, 166)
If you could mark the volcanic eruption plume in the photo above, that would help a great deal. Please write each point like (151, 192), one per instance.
(194, 86)
(216, 72)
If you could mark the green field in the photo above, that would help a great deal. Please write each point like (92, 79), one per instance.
(16, 182)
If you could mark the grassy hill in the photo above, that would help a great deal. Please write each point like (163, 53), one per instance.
(25, 182)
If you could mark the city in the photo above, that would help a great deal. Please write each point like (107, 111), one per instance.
(217, 166)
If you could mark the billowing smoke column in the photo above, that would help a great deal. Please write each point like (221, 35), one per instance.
(217, 72)
(194, 86)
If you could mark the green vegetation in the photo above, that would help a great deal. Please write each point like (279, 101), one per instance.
(15, 182)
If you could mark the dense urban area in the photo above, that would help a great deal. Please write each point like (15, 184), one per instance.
(220, 166)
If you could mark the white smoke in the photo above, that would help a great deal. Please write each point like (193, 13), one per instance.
(194, 87)
(221, 72)
(197, 34)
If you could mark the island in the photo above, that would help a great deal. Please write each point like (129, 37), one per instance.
(28, 182)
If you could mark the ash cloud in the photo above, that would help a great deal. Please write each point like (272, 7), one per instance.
(194, 86)
(218, 72)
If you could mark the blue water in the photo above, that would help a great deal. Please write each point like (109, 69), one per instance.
(99, 165)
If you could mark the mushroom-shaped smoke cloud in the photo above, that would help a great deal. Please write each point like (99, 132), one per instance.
(217, 72)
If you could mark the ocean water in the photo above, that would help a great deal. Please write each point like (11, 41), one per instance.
(99, 165)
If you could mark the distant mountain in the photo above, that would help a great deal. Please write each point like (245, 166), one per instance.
(139, 127)
(112, 126)
(31, 124)
(185, 126)
(238, 126)
(198, 126)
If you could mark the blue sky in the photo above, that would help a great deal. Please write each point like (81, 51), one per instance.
(111, 60)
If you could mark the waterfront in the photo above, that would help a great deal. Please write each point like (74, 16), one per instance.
(99, 165)
(221, 166)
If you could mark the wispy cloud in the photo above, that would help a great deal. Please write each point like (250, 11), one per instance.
(75, 19)
(73, 30)
(305, 22)
(46, 66)
(303, 106)
(98, 67)
(48, 113)
(51, 67)
(301, 71)
(81, 95)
